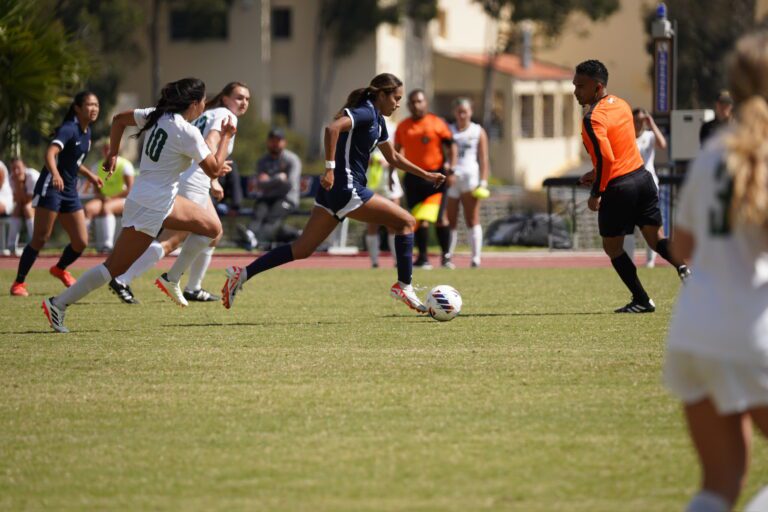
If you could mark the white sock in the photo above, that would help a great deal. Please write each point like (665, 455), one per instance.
(13, 233)
(146, 261)
(193, 246)
(629, 246)
(454, 241)
(391, 244)
(707, 501)
(198, 269)
(94, 278)
(98, 231)
(110, 223)
(476, 241)
(759, 503)
(372, 242)
(30, 224)
(650, 256)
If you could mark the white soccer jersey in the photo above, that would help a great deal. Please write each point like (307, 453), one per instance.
(210, 120)
(722, 311)
(646, 144)
(467, 141)
(169, 148)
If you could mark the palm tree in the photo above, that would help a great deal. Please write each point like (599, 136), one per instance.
(39, 66)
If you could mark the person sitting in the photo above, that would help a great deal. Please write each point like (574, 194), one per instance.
(23, 180)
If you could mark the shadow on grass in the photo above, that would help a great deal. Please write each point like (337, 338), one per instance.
(484, 315)
(253, 324)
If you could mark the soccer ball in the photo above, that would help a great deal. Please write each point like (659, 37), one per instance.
(443, 303)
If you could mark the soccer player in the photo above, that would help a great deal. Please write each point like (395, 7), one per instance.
(355, 131)
(56, 192)
(717, 349)
(623, 192)
(470, 178)
(421, 138)
(195, 185)
(171, 142)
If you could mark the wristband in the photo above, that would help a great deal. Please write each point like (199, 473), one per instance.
(483, 183)
(330, 164)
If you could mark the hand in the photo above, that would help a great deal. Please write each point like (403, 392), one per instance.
(594, 203)
(227, 128)
(588, 178)
(217, 192)
(97, 182)
(57, 182)
(326, 180)
(109, 165)
(448, 170)
(436, 178)
(226, 168)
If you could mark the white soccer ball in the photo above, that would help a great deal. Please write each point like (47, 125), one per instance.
(443, 303)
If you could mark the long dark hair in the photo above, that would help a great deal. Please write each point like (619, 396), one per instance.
(175, 97)
(385, 82)
(217, 102)
(77, 101)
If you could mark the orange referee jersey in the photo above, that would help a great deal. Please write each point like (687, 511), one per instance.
(608, 132)
(421, 140)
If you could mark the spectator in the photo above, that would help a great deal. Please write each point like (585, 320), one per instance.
(278, 174)
(723, 109)
(6, 192)
(109, 200)
(23, 180)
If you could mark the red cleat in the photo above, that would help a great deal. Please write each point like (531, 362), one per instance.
(19, 289)
(65, 276)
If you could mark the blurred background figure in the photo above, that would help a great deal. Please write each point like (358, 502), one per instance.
(723, 110)
(227, 192)
(23, 180)
(383, 180)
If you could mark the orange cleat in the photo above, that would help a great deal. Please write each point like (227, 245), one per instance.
(19, 289)
(65, 276)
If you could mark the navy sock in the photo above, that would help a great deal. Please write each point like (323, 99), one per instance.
(422, 240)
(662, 247)
(404, 257)
(444, 238)
(68, 257)
(627, 271)
(274, 258)
(28, 258)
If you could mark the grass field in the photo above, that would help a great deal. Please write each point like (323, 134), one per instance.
(319, 393)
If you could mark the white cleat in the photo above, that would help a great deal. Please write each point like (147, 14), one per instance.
(236, 277)
(406, 294)
(171, 289)
(54, 314)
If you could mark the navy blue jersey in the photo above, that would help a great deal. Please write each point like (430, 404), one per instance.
(353, 149)
(74, 144)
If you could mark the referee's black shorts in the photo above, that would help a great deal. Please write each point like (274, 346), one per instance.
(418, 189)
(628, 201)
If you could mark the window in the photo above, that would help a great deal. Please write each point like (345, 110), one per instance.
(282, 110)
(527, 124)
(198, 24)
(568, 115)
(548, 113)
(281, 23)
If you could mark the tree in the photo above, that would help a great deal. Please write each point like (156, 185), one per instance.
(703, 42)
(40, 64)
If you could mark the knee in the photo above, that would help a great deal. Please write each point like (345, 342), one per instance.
(39, 240)
(78, 245)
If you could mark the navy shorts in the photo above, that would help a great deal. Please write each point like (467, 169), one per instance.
(66, 201)
(628, 201)
(340, 201)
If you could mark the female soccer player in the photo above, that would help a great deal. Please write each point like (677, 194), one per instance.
(152, 203)
(56, 192)
(356, 130)
(194, 185)
(717, 350)
(470, 179)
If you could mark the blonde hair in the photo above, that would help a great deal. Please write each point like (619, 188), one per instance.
(747, 144)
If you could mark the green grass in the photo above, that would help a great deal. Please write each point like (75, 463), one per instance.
(319, 393)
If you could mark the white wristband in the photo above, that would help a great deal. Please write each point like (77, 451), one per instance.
(484, 183)
(330, 164)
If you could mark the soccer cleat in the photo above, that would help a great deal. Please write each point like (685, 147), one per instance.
(200, 295)
(405, 293)
(447, 263)
(54, 315)
(19, 289)
(62, 274)
(236, 277)
(123, 292)
(171, 289)
(637, 307)
(423, 264)
(475, 264)
(684, 273)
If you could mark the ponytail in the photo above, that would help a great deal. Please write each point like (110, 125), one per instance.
(176, 97)
(384, 82)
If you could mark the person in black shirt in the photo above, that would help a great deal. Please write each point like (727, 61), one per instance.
(723, 108)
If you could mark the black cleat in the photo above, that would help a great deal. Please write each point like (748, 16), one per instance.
(684, 273)
(123, 292)
(637, 307)
(200, 296)
(447, 263)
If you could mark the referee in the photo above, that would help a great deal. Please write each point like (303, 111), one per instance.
(623, 192)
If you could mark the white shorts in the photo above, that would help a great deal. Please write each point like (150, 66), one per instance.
(464, 182)
(8, 204)
(733, 387)
(143, 219)
(201, 196)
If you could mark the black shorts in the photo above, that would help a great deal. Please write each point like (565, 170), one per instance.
(628, 201)
(418, 189)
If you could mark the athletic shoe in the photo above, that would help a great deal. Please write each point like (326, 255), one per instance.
(236, 277)
(200, 296)
(637, 307)
(375, 264)
(684, 273)
(423, 264)
(54, 315)
(405, 293)
(447, 263)
(123, 292)
(171, 289)
(65, 276)
(19, 289)
(475, 264)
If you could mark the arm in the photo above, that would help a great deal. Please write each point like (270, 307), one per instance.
(216, 165)
(119, 123)
(482, 157)
(330, 138)
(661, 141)
(50, 162)
(94, 179)
(128, 180)
(602, 153)
(398, 161)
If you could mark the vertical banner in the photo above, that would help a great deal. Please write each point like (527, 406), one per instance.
(662, 74)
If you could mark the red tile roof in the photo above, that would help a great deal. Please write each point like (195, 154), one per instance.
(512, 65)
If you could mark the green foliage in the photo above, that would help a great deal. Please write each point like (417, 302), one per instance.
(250, 144)
(349, 22)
